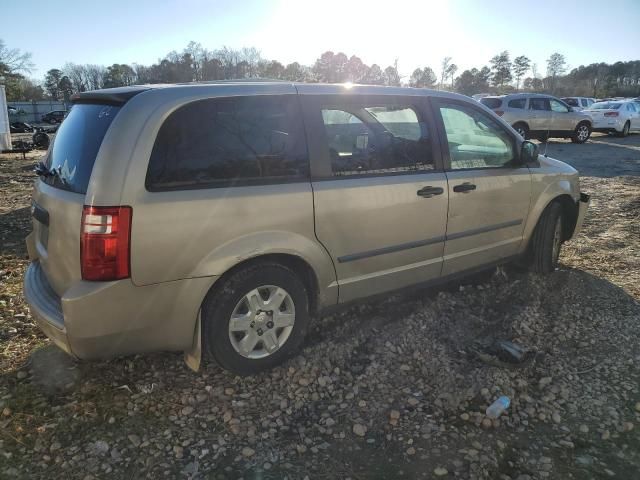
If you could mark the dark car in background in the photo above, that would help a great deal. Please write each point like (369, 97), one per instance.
(55, 116)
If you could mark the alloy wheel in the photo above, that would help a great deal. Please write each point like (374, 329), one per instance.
(262, 321)
(583, 133)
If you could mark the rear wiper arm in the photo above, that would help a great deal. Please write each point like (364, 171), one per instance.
(43, 171)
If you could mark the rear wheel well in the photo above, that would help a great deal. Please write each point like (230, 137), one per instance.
(299, 266)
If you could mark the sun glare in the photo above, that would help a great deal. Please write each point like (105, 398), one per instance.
(416, 33)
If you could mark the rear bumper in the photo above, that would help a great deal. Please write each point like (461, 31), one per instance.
(95, 320)
(607, 126)
(45, 305)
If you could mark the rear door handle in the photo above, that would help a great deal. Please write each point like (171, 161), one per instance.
(428, 192)
(464, 187)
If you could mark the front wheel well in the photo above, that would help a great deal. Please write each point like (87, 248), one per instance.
(569, 214)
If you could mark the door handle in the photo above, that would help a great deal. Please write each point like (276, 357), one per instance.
(464, 187)
(428, 192)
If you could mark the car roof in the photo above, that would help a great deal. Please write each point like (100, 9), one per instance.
(120, 95)
(521, 95)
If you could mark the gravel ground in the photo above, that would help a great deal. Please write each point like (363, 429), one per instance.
(393, 389)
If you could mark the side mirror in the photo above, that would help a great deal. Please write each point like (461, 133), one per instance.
(528, 152)
(571, 109)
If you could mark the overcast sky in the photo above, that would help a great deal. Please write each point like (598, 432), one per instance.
(418, 33)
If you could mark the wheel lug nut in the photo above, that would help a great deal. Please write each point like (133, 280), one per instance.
(260, 332)
(269, 324)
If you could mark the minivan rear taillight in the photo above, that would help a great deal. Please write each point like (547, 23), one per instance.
(105, 239)
(499, 112)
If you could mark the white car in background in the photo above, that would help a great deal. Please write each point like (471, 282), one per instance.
(617, 116)
(478, 96)
(578, 103)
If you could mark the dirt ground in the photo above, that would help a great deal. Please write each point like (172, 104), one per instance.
(392, 389)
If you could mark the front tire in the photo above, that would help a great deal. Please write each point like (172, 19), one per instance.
(256, 319)
(582, 133)
(547, 240)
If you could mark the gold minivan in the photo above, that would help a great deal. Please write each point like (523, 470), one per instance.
(222, 218)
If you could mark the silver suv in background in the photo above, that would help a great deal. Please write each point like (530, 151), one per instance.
(540, 116)
(227, 216)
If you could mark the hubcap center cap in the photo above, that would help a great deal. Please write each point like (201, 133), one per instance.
(262, 318)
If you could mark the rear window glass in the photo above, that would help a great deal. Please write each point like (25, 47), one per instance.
(230, 141)
(605, 106)
(491, 102)
(517, 103)
(76, 145)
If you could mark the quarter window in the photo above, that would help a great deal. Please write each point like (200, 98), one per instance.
(475, 140)
(376, 139)
(227, 141)
(517, 103)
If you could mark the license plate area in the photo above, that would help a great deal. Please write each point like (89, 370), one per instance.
(41, 225)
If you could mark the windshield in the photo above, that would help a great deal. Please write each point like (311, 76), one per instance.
(605, 106)
(76, 145)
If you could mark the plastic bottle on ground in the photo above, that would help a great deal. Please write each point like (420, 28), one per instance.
(498, 407)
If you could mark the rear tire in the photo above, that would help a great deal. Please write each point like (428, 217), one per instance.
(547, 240)
(223, 343)
(625, 130)
(522, 129)
(582, 133)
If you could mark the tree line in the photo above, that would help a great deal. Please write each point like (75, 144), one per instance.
(196, 63)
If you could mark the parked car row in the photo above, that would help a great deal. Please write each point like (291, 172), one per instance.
(542, 116)
(54, 117)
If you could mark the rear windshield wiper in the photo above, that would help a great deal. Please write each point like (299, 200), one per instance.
(43, 171)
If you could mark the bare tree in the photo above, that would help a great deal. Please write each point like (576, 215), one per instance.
(76, 75)
(94, 76)
(556, 65)
(446, 61)
(14, 59)
(451, 71)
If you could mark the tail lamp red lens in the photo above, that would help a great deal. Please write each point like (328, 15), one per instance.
(499, 112)
(105, 243)
(611, 114)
